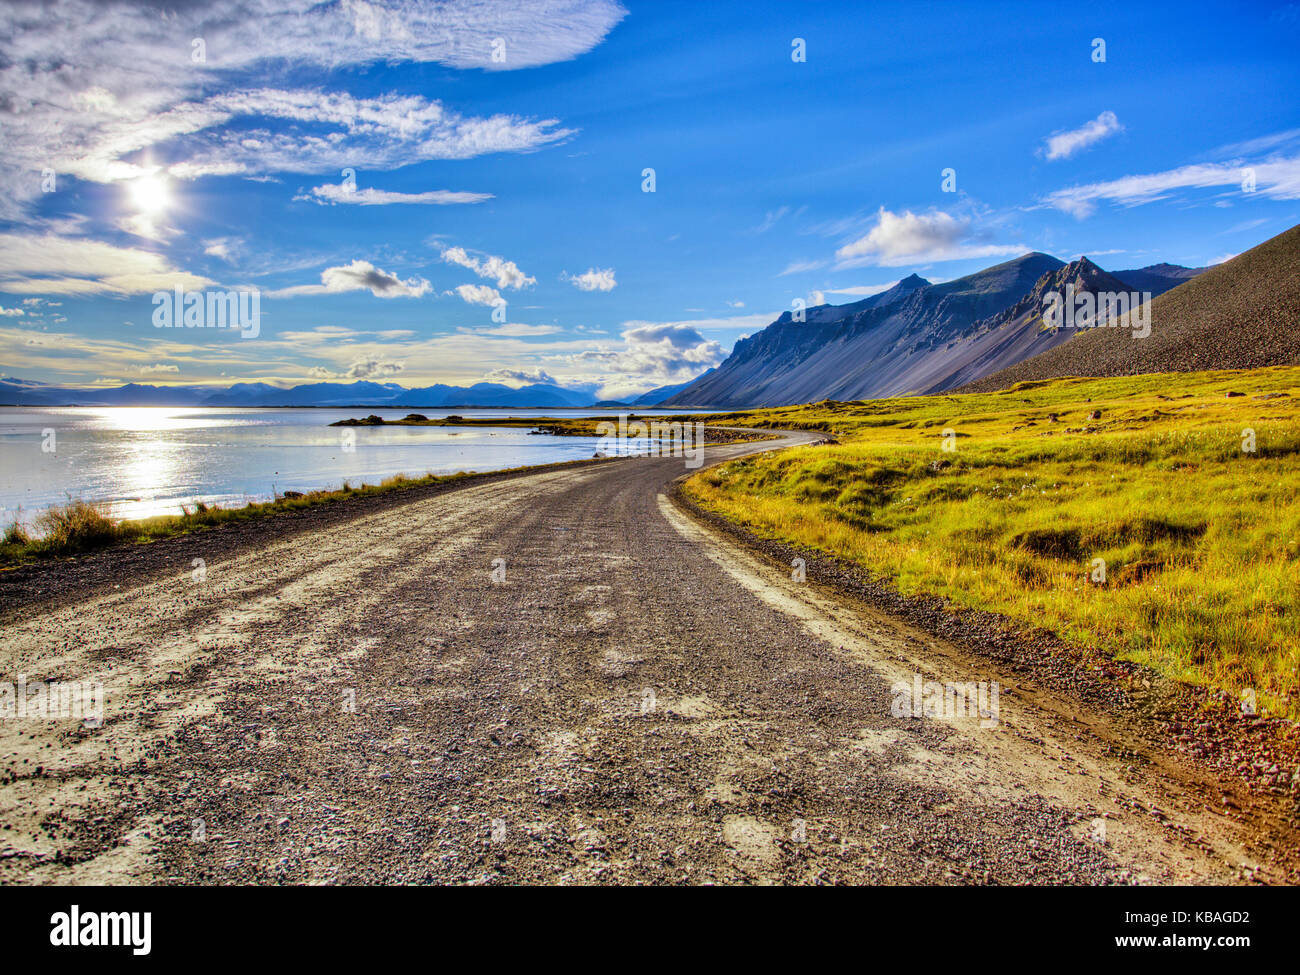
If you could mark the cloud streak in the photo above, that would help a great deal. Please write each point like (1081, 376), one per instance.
(1278, 179)
(1063, 145)
(331, 193)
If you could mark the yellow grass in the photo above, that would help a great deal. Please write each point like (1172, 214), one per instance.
(1199, 537)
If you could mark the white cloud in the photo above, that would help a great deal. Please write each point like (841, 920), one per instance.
(224, 248)
(505, 273)
(592, 279)
(910, 238)
(11, 312)
(799, 267)
(89, 84)
(1277, 178)
(337, 193)
(736, 304)
(78, 266)
(373, 369)
(143, 225)
(521, 377)
(863, 290)
(1063, 145)
(368, 369)
(517, 329)
(478, 294)
(159, 368)
(359, 276)
(653, 354)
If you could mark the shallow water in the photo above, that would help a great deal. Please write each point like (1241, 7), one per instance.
(145, 461)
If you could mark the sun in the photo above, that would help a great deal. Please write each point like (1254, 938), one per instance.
(150, 194)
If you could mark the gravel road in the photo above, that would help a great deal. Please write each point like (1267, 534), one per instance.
(628, 697)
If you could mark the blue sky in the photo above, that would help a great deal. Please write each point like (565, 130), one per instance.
(521, 178)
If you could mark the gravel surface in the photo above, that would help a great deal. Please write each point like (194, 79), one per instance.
(355, 698)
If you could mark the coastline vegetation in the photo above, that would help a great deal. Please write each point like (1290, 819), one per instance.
(1154, 517)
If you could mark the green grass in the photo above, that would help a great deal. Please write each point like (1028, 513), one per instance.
(1200, 539)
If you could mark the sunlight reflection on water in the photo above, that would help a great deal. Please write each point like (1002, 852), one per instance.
(144, 461)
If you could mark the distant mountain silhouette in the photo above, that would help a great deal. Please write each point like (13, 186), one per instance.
(1158, 278)
(20, 392)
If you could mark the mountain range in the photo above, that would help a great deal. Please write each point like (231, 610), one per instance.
(1242, 314)
(21, 392)
(984, 331)
(917, 337)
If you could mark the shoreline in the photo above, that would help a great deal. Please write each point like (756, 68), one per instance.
(18, 548)
(29, 583)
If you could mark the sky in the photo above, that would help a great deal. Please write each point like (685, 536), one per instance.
(600, 194)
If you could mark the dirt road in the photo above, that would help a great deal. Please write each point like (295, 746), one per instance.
(626, 697)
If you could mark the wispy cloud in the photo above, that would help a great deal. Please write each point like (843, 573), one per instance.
(592, 279)
(44, 264)
(1278, 179)
(863, 290)
(800, 267)
(515, 329)
(1063, 145)
(97, 83)
(329, 193)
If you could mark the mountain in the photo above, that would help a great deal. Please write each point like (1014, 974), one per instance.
(21, 392)
(1242, 314)
(656, 396)
(360, 393)
(1015, 333)
(915, 337)
(1158, 278)
(496, 394)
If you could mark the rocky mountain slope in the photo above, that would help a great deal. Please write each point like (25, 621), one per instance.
(1242, 314)
(916, 337)
(900, 341)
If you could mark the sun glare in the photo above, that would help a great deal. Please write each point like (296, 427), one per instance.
(150, 194)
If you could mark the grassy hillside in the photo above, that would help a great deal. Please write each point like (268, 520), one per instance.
(1200, 538)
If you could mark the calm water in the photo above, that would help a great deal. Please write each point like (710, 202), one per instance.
(144, 461)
